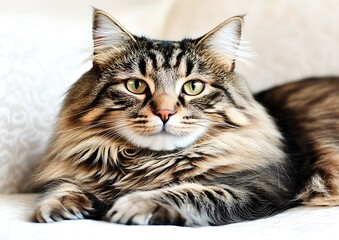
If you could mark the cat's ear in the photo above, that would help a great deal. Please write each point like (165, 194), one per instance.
(224, 41)
(109, 36)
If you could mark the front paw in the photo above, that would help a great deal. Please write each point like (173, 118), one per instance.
(140, 209)
(70, 206)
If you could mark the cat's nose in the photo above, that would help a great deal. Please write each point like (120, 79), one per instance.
(164, 114)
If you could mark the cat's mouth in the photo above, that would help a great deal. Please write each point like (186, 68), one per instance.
(164, 139)
(163, 131)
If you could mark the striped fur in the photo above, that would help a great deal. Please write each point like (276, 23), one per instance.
(218, 158)
(308, 112)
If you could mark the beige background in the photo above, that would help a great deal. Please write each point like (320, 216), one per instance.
(43, 45)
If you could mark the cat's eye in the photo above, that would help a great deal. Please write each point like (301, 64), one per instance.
(136, 86)
(193, 87)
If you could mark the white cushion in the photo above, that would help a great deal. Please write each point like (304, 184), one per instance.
(42, 51)
(300, 223)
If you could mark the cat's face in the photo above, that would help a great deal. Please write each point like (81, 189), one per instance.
(162, 95)
(161, 90)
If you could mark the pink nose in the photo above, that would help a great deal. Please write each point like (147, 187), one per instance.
(164, 114)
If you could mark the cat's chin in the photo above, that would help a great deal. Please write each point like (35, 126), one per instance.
(164, 141)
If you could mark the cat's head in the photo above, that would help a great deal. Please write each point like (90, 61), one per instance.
(160, 95)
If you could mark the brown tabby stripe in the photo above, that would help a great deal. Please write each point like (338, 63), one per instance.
(142, 66)
(306, 113)
(227, 94)
(153, 58)
(189, 67)
(178, 59)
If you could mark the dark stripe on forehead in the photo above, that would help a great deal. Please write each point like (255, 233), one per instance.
(149, 45)
(153, 58)
(189, 67)
(178, 59)
(167, 49)
(142, 66)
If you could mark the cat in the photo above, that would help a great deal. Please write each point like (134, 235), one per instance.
(166, 132)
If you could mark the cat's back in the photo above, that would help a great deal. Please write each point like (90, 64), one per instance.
(304, 94)
(310, 105)
(307, 113)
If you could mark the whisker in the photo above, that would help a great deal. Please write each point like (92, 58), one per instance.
(91, 126)
(221, 123)
(78, 113)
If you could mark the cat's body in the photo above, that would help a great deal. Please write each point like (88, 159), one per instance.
(307, 114)
(162, 132)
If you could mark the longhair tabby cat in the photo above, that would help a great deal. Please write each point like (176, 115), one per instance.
(165, 132)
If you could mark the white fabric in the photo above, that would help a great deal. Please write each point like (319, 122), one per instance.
(43, 45)
(300, 223)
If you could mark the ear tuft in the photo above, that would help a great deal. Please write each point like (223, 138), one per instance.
(225, 43)
(108, 34)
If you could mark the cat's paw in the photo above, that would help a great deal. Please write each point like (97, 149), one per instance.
(71, 206)
(139, 209)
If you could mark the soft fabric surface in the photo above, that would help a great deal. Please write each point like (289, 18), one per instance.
(299, 223)
(43, 47)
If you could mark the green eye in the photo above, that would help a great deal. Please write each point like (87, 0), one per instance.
(136, 86)
(193, 87)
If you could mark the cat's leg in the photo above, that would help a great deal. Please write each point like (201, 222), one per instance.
(322, 189)
(63, 199)
(189, 204)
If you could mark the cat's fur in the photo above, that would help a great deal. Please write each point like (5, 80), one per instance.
(166, 157)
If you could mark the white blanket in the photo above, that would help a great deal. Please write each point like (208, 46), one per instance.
(44, 43)
(299, 223)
